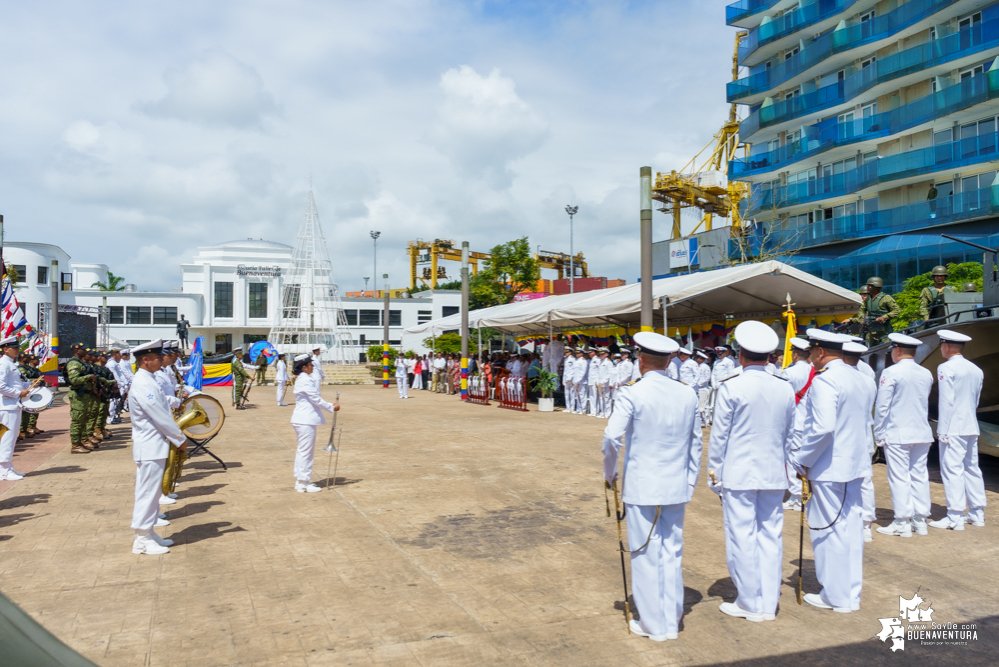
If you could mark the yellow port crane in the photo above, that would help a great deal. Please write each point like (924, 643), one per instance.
(424, 252)
(707, 187)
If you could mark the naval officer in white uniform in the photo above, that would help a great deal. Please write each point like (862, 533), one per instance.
(306, 418)
(852, 352)
(153, 430)
(750, 439)
(833, 455)
(657, 421)
(401, 381)
(797, 374)
(960, 389)
(281, 378)
(902, 427)
(12, 389)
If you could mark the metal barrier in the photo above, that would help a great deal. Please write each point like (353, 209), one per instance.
(512, 393)
(478, 390)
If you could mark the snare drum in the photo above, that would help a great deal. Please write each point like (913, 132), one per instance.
(39, 399)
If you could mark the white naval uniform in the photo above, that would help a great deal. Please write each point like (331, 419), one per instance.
(308, 415)
(625, 372)
(593, 385)
(317, 370)
(689, 373)
(750, 440)
(153, 429)
(568, 383)
(656, 420)
(11, 386)
(114, 408)
(636, 371)
(902, 427)
(605, 380)
(168, 385)
(704, 391)
(834, 450)
(723, 368)
(673, 369)
(957, 429)
(401, 368)
(866, 369)
(868, 503)
(281, 379)
(797, 374)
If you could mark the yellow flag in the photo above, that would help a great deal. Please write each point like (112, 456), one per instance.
(792, 329)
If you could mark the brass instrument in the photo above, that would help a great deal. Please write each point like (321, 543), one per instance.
(200, 417)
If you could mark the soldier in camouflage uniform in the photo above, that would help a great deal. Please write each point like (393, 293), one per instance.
(876, 312)
(931, 299)
(28, 419)
(239, 376)
(81, 394)
(100, 389)
(109, 384)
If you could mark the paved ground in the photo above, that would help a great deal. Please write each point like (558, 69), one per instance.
(456, 535)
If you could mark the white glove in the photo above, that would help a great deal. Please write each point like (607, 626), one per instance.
(944, 439)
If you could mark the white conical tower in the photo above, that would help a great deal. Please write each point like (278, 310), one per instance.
(311, 311)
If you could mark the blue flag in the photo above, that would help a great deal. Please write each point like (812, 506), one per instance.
(196, 361)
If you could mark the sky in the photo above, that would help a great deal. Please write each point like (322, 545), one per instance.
(133, 133)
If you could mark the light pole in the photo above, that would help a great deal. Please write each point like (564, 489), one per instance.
(645, 222)
(571, 210)
(365, 286)
(374, 239)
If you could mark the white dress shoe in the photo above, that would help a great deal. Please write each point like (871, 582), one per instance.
(868, 537)
(172, 495)
(793, 503)
(636, 629)
(13, 475)
(166, 500)
(161, 516)
(146, 545)
(974, 522)
(946, 523)
(306, 488)
(816, 600)
(732, 609)
(919, 525)
(162, 541)
(901, 528)
(161, 522)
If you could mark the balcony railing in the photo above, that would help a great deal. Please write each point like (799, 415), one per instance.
(743, 8)
(950, 155)
(830, 133)
(967, 42)
(790, 23)
(940, 211)
(836, 41)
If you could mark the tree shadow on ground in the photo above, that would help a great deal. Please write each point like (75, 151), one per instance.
(24, 501)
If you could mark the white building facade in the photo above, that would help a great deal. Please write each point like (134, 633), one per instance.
(231, 295)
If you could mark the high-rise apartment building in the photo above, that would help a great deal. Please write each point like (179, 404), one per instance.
(873, 130)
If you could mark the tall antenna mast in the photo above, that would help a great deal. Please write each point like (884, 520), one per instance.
(311, 312)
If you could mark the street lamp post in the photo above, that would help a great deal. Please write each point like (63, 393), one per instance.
(365, 286)
(374, 239)
(571, 210)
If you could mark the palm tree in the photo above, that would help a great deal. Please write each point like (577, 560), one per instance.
(111, 285)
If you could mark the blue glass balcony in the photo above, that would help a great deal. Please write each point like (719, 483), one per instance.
(967, 42)
(950, 155)
(830, 133)
(743, 8)
(941, 211)
(790, 23)
(836, 41)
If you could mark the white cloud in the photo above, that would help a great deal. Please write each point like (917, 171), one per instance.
(484, 125)
(214, 89)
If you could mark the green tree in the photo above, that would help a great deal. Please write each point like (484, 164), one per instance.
(113, 283)
(374, 354)
(511, 270)
(908, 298)
(449, 343)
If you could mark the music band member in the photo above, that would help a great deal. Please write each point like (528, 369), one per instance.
(308, 415)
(153, 429)
(12, 390)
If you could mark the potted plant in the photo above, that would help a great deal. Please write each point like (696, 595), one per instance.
(546, 383)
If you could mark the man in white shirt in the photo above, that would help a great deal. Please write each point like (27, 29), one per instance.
(688, 369)
(569, 382)
(960, 388)
(281, 379)
(440, 368)
(593, 382)
(153, 431)
(798, 374)
(657, 423)
(703, 386)
(401, 372)
(114, 365)
(724, 366)
(752, 433)
(626, 368)
(317, 366)
(902, 427)
(12, 390)
(851, 357)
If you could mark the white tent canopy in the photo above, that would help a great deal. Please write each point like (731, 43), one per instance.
(750, 291)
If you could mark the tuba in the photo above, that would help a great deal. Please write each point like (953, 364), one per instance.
(199, 418)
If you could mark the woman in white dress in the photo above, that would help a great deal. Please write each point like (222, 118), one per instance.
(281, 379)
(308, 415)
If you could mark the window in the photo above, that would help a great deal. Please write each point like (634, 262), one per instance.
(423, 316)
(793, 93)
(351, 316)
(223, 299)
(258, 300)
(773, 145)
(117, 314)
(869, 110)
(164, 314)
(370, 318)
(138, 315)
(67, 282)
(867, 61)
(969, 21)
(223, 343)
(447, 311)
(972, 72)
(395, 318)
(790, 53)
(250, 339)
(43, 275)
(22, 273)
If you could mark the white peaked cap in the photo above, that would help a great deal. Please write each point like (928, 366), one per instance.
(757, 337)
(655, 343)
(901, 340)
(800, 343)
(684, 350)
(303, 357)
(702, 355)
(152, 346)
(854, 348)
(827, 339)
(953, 336)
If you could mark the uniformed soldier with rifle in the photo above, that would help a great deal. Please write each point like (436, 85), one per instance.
(81, 382)
(876, 313)
(239, 376)
(931, 299)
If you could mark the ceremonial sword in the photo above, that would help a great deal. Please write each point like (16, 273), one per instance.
(330, 448)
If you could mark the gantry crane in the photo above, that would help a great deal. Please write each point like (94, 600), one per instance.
(423, 252)
(707, 188)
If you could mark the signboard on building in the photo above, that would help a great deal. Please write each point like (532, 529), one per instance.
(258, 271)
(682, 253)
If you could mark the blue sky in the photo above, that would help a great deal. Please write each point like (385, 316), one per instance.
(132, 133)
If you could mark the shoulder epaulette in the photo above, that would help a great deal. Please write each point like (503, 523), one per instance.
(822, 371)
(628, 384)
(734, 375)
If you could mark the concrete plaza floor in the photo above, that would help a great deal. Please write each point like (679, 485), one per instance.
(456, 535)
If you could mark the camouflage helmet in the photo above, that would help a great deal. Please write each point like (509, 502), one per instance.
(875, 282)
(969, 287)
(862, 290)
(939, 270)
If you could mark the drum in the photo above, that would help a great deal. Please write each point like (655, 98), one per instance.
(39, 399)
